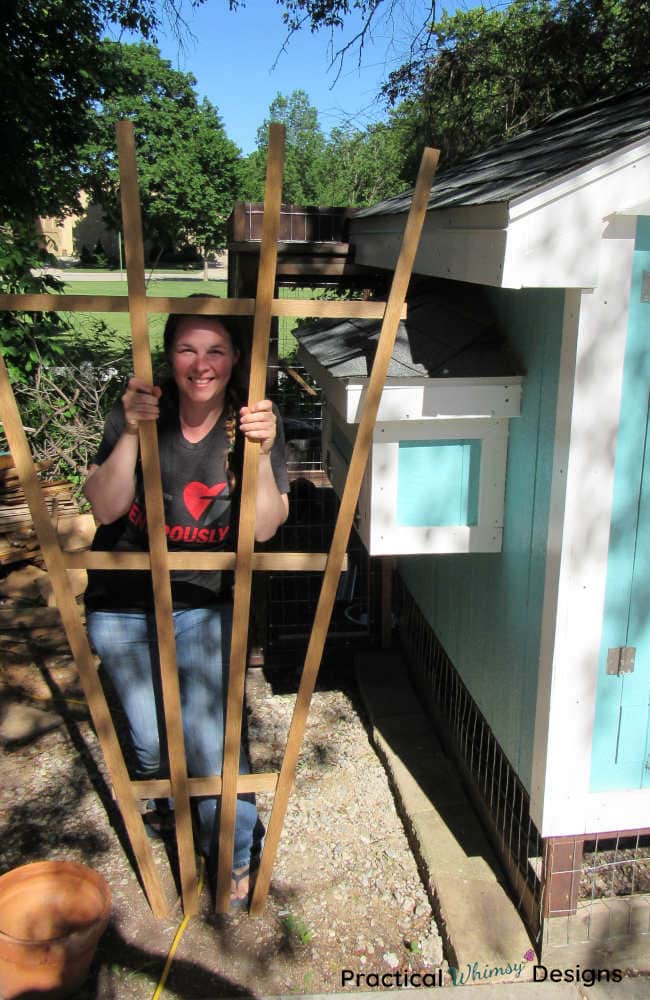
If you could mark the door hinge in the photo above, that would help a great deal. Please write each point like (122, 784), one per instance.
(620, 660)
(645, 287)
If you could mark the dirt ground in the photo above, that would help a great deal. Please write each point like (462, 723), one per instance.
(345, 894)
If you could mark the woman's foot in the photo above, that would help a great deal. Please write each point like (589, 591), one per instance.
(158, 818)
(241, 886)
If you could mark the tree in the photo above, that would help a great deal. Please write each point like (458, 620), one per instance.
(26, 339)
(188, 168)
(52, 68)
(496, 73)
(304, 165)
(363, 166)
(482, 75)
(395, 19)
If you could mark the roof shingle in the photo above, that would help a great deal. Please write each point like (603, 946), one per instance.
(566, 141)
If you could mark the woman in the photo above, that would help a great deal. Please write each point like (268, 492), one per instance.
(199, 441)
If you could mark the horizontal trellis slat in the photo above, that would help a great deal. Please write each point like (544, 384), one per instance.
(291, 561)
(209, 306)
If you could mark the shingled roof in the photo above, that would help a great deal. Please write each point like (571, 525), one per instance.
(450, 332)
(565, 141)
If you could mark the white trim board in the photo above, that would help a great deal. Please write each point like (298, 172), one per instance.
(384, 535)
(544, 239)
(378, 524)
(601, 812)
(419, 398)
(594, 342)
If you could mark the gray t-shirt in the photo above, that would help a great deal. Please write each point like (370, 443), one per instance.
(200, 514)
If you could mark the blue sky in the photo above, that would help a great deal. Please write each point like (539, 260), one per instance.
(232, 55)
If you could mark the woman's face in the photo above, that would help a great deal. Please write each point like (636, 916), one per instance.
(202, 359)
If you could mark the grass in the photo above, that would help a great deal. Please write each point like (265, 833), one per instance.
(113, 329)
(115, 326)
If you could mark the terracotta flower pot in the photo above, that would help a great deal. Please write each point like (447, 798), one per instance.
(52, 915)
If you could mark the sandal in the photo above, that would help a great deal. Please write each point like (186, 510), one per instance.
(158, 822)
(238, 876)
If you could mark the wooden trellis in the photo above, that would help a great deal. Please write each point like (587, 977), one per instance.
(244, 561)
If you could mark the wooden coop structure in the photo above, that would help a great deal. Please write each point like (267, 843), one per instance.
(533, 654)
(435, 480)
(314, 254)
(244, 561)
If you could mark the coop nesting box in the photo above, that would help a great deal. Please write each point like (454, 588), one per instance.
(436, 474)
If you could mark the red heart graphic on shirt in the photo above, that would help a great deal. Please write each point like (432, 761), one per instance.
(198, 497)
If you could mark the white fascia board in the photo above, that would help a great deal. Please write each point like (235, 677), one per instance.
(465, 243)
(554, 232)
(606, 811)
(430, 541)
(419, 397)
(544, 239)
(435, 399)
(641, 208)
(578, 536)
(554, 543)
(635, 156)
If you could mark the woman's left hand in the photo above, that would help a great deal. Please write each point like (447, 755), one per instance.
(258, 423)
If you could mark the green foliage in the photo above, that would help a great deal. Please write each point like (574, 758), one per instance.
(59, 382)
(498, 72)
(352, 167)
(304, 162)
(52, 69)
(187, 167)
(95, 258)
(63, 404)
(363, 166)
(26, 339)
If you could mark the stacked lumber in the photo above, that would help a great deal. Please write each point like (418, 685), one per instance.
(18, 540)
(30, 582)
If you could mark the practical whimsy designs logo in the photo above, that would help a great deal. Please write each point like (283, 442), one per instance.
(473, 973)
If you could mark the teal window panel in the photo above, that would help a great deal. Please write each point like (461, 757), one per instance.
(643, 233)
(438, 483)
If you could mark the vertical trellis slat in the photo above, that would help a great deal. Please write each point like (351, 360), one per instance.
(246, 533)
(156, 519)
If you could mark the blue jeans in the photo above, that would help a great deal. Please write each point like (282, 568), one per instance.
(127, 646)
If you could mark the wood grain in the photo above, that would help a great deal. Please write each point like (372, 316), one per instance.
(150, 459)
(344, 519)
(246, 533)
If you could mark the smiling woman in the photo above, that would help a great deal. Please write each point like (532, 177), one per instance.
(202, 356)
(201, 428)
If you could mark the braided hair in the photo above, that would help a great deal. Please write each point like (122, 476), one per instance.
(236, 390)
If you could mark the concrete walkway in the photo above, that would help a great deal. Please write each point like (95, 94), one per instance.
(480, 925)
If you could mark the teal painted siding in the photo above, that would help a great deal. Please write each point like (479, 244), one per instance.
(620, 748)
(487, 609)
(437, 483)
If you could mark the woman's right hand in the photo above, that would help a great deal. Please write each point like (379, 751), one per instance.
(140, 402)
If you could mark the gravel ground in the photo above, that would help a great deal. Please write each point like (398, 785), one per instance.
(345, 893)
